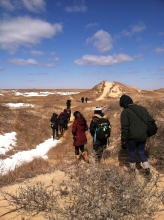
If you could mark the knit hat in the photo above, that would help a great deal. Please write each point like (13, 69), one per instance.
(125, 100)
(98, 110)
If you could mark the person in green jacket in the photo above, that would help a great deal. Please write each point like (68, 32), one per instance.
(133, 131)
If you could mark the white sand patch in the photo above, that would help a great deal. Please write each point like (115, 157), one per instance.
(110, 90)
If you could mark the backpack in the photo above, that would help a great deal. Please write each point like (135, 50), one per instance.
(102, 130)
(151, 129)
(151, 126)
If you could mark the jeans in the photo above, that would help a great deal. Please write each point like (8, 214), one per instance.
(99, 149)
(138, 146)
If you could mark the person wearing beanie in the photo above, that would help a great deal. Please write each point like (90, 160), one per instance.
(133, 131)
(99, 145)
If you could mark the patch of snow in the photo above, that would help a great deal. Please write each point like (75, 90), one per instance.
(17, 159)
(7, 141)
(17, 105)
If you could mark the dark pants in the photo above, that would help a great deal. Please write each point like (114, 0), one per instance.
(54, 132)
(61, 128)
(138, 146)
(99, 149)
(77, 148)
(65, 125)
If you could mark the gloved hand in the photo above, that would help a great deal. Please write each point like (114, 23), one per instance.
(124, 145)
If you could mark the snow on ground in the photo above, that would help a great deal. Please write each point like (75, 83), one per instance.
(7, 142)
(16, 105)
(43, 93)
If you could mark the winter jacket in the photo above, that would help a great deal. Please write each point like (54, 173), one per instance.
(79, 127)
(61, 118)
(132, 127)
(93, 126)
(66, 115)
(54, 121)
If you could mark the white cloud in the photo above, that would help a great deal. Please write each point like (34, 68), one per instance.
(25, 31)
(101, 40)
(30, 5)
(134, 29)
(76, 8)
(34, 5)
(1, 68)
(159, 50)
(56, 59)
(6, 4)
(36, 52)
(50, 65)
(90, 25)
(161, 68)
(22, 62)
(103, 60)
(161, 33)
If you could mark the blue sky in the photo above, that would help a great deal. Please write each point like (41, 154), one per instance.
(51, 44)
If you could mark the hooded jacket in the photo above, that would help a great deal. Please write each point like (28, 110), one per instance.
(132, 127)
(54, 120)
(79, 127)
(61, 118)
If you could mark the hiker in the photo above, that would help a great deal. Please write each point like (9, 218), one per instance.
(100, 130)
(82, 99)
(66, 117)
(69, 113)
(79, 128)
(54, 126)
(133, 131)
(61, 122)
(68, 103)
(86, 99)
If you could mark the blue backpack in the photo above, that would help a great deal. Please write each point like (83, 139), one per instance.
(102, 130)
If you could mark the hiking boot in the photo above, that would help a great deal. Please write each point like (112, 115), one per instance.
(147, 171)
(77, 158)
(85, 155)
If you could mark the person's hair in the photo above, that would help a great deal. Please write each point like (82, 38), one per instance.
(77, 114)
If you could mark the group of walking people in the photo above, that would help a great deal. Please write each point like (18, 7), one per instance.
(84, 99)
(133, 133)
(59, 123)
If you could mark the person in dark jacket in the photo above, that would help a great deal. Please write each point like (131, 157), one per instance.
(79, 127)
(133, 131)
(68, 103)
(54, 125)
(69, 113)
(98, 145)
(61, 122)
(86, 99)
(66, 118)
(82, 99)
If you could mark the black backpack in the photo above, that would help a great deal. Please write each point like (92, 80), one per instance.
(102, 130)
(151, 126)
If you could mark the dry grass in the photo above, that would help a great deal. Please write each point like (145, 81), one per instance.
(99, 193)
(33, 127)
